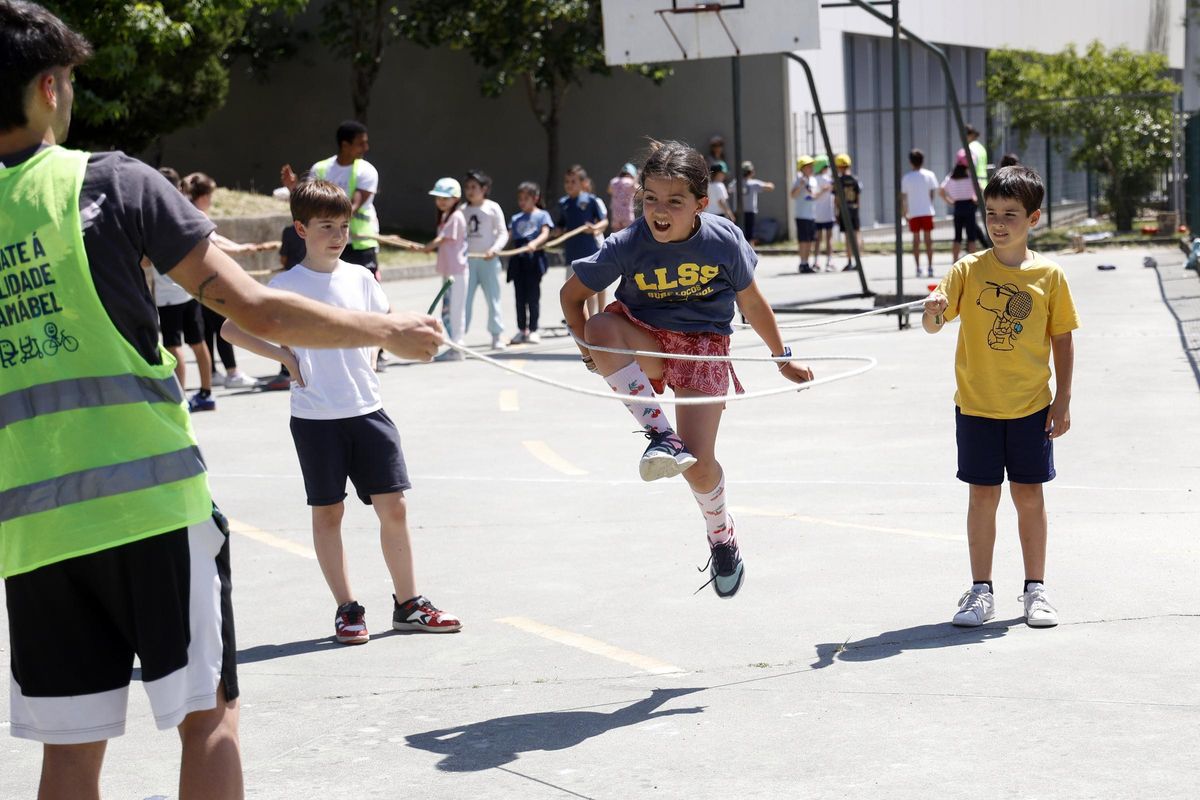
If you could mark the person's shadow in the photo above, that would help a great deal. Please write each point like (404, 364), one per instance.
(919, 637)
(494, 742)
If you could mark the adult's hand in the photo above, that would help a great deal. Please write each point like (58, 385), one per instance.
(413, 335)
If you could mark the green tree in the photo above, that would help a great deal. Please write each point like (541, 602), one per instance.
(360, 30)
(1111, 110)
(546, 46)
(158, 66)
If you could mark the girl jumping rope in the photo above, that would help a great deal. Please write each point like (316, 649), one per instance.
(680, 273)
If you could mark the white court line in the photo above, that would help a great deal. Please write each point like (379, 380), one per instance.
(762, 512)
(271, 540)
(542, 452)
(508, 400)
(594, 646)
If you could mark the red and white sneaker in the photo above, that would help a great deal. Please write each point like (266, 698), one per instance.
(350, 624)
(418, 614)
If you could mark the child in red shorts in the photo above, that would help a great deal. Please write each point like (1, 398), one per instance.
(680, 273)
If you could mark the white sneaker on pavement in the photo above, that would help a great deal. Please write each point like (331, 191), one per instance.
(975, 607)
(239, 381)
(534, 337)
(1038, 611)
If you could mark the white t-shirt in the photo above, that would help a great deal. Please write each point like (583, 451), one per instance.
(167, 292)
(754, 186)
(916, 186)
(717, 192)
(368, 181)
(805, 203)
(823, 208)
(339, 383)
(486, 229)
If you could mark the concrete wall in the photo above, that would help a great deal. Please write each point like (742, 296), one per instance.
(428, 119)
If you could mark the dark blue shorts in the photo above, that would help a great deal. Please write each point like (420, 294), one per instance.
(806, 230)
(987, 448)
(364, 449)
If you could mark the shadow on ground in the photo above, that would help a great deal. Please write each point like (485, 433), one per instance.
(494, 742)
(919, 637)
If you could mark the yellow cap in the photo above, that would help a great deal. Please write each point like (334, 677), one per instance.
(803, 161)
(842, 160)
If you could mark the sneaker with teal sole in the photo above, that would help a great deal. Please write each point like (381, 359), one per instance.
(725, 567)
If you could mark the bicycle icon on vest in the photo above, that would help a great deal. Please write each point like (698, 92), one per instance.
(56, 339)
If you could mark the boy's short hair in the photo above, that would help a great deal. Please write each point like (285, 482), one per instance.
(1018, 183)
(197, 185)
(916, 158)
(480, 177)
(32, 40)
(318, 198)
(350, 130)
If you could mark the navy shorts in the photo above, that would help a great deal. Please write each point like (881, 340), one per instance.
(823, 226)
(364, 449)
(181, 324)
(987, 448)
(806, 230)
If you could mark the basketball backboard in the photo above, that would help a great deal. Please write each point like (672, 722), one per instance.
(648, 31)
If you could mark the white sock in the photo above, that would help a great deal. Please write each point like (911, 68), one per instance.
(631, 380)
(716, 516)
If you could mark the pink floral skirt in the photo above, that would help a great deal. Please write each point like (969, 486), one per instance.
(707, 377)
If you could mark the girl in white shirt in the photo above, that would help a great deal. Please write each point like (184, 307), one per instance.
(487, 233)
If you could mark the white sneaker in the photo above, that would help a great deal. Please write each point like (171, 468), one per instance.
(218, 378)
(975, 607)
(498, 343)
(449, 355)
(1038, 611)
(239, 381)
(533, 338)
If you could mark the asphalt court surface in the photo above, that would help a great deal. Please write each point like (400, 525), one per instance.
(587, 666)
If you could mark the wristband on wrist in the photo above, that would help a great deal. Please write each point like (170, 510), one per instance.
(787, 353)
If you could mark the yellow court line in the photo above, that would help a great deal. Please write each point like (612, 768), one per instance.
(833, 523)
(508, 400)
(542, 452)
(271, 540)
(589, 645)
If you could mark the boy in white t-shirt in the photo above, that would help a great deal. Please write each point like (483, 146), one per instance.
(487, 232)
(916, 203)
(718, 192)
(338, 422)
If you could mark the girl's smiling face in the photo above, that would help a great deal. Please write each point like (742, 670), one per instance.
(670, 208)
(444, 204)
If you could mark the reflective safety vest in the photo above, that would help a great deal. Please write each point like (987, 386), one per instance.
(96, 446)
(364, 224)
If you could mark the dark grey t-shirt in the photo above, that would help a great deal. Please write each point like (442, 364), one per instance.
(128, 211)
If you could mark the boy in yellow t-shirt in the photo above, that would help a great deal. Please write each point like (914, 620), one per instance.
(1016, 311)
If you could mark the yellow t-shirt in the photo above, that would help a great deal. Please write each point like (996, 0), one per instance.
(1007, 316)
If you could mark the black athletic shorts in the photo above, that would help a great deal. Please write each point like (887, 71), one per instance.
(806, 229)
(364, 449)
(76, 625)
(181, 324)
(364, 258)
(988, 448)
(854, 220)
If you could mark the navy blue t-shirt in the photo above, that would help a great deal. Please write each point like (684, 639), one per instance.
(687, 286)
(573, 212)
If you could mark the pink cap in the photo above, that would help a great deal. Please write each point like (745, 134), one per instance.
(961, 158)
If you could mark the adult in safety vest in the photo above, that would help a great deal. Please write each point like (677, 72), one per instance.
(110, 545)
(979, 155)
(360, 181)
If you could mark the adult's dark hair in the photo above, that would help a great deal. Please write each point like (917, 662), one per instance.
(916, 158)
(480, 177)
(677, 160)
(1009, 160)
(959, 171)
(197, 185)
(350, 130)
(317, 198)
(533, 190)
(171, 175)
(972, 130)
(32, 41)
(1017, 183)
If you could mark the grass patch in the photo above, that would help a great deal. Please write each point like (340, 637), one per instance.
(234, 203)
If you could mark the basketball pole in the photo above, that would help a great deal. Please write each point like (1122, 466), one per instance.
(736, 61)
(896, 167)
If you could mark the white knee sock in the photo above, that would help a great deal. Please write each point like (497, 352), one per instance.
(631, 380)
(716, 515)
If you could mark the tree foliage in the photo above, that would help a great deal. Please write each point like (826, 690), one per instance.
(545, 46)
(1110, 110)
(158, 66)
(360, 31)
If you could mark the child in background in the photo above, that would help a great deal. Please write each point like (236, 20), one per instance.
(451, 246)
(338, 423)
(621, 191)
(580, 207)
(486, 233)
(804, 192)
(1016, 312)
(718, 192)
(680, 274)
(199, 188)
(852, 189)
(528, 231)
(959, 193)
(824, 213)
(916, 204)
(747, 191)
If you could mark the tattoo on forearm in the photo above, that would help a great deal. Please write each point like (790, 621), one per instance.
(200, 291)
